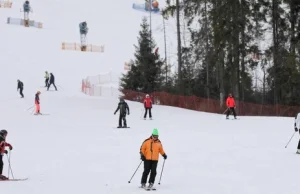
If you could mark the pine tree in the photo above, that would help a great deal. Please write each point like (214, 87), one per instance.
(146, 70)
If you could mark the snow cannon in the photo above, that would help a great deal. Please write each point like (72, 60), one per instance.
(5, 4)
(83, 46)
(147, 7)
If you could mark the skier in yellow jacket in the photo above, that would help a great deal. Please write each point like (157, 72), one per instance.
(150, 150)
(46, 78)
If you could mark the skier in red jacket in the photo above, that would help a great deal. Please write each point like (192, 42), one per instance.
(3, 144)
(230, 103)
(148, 106)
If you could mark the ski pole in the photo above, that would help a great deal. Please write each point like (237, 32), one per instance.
(290, 140)
(162, 169)
(30, 108)
(135, 171)
(8, 159)
(141, 114)
(225, 110)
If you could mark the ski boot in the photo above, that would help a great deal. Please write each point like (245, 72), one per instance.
(3, 177)
(143, 185)
(298, 151)
(150, 187)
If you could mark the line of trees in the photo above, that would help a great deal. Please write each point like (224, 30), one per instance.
(224, 53)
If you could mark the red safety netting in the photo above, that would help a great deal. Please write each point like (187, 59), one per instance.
(212, 106)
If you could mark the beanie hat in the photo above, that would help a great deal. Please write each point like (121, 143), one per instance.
(155, 132)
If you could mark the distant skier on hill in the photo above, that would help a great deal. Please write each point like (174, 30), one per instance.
(46, 78)
(150, 150)
(124, 108)
(3, 144)
(51, 81)
(148, 106)
(37, 103)
(20, 88)
(230, 103)
(297, 128)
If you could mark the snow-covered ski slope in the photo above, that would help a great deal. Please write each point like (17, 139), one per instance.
(76, 148)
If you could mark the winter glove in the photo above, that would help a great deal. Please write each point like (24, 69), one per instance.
(296, 129)
(10, 147)
(5, 151)
(143, 157)
(165, 156)
(114, 113)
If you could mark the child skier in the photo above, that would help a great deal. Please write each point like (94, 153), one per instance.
(37, 103)
(148, 106)
(3, 144)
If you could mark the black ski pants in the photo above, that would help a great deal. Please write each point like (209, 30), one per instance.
(149, 165)
(46, 82)
(51, 84)
(229, 110)
(146, 111)
(122, 117)
(21, 92)
(1, 164)
(298, 144)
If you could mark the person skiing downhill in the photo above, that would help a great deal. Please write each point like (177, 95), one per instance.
(51, 81)
(124, 108)
(230, 103)
(148, 106)
(20, 88)
(150, 150)
(297, 128)
(37, 103)
(3, 144)
(46, 78)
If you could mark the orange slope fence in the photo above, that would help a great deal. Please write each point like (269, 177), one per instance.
(211, 105)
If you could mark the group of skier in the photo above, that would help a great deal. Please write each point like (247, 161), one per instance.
(49, 80)
(150, 148)
(124, 110)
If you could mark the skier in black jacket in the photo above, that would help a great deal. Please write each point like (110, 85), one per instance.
(20, 88)
(124, 108)
(52, 81)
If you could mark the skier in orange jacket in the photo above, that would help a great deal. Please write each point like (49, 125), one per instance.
(150, 150)
(230, 103)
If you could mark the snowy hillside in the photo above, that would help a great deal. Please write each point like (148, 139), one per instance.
(77, 149)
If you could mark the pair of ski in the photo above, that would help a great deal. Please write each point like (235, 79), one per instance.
(24, 179)
(41, 114)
